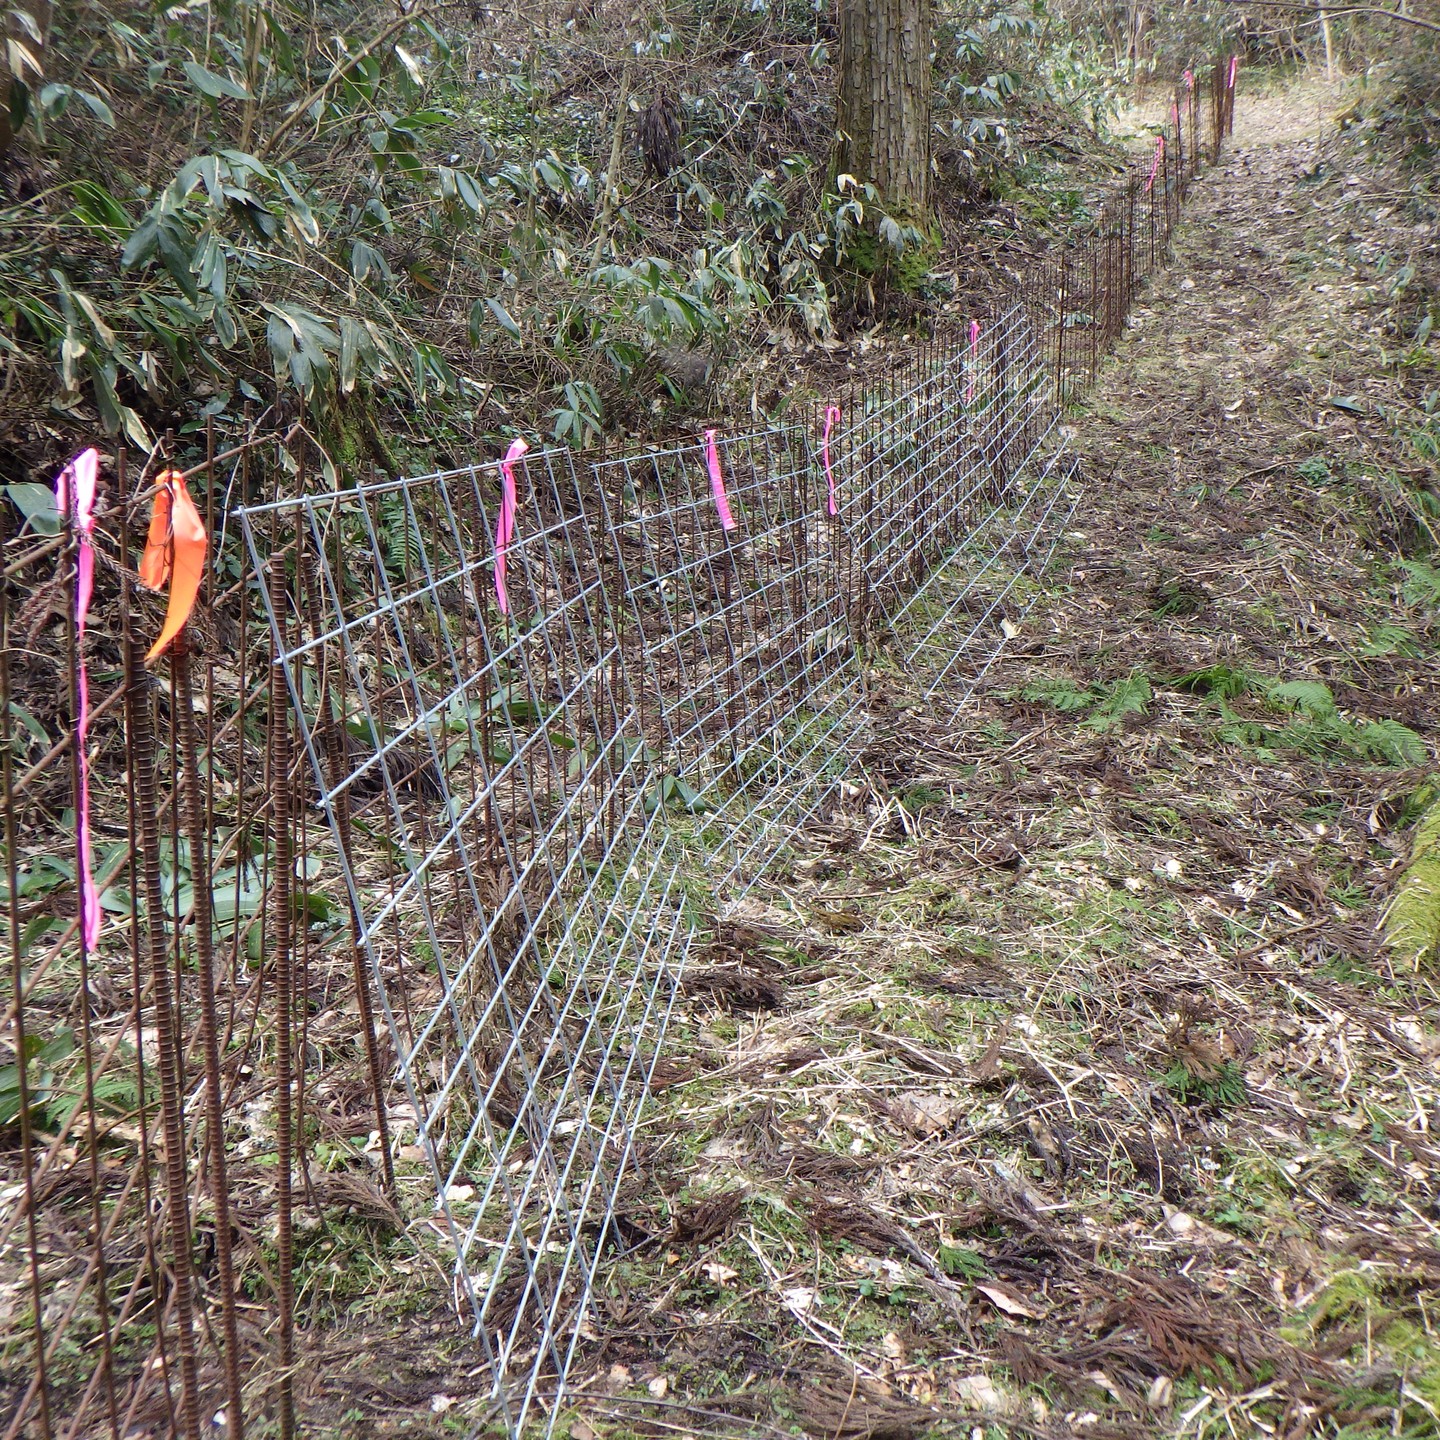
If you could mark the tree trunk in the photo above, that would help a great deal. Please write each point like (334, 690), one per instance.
(883, 101)
(1329, 40)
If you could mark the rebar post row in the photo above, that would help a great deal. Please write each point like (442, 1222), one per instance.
(1082, 296)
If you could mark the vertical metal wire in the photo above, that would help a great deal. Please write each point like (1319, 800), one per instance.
(203, 929)
(282, 954)
(40, 1386)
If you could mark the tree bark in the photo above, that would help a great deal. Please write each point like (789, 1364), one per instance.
(883, 101)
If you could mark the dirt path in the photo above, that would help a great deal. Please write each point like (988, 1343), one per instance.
(1093, 1105)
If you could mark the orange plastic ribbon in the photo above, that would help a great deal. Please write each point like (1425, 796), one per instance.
(174, 555)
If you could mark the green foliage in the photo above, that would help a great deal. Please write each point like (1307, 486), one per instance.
(1060, 694)
(670, 792)
(56, 1084)
(1315, 728)
(957, 1261)
(1224, 1090)
(578, 419)
(1108, 705)
(1223, 681)
(1308, 697)
(1420, 585)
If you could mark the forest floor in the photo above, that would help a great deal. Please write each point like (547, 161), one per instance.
(1098, 1108)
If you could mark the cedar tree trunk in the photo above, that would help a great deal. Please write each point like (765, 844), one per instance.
(883, 101)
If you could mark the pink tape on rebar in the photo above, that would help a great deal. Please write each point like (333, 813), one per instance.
(1175, 114)
(505, 525)
(1155, 163)
(75, 498)
(717, 483)
(832, 419)
(974, 360)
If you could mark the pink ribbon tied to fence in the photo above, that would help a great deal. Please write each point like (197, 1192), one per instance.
(832, 419)
(717, 482)
(974, 360)
(1155, 163)
(75, 497)
(505, 525)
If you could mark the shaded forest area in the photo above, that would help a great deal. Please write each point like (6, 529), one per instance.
(424, 229)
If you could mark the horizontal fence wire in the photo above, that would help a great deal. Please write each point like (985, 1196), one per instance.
(399, 879)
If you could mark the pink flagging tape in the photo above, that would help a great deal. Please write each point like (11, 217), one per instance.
(974, 360)
(75, 497)
(1175, 114)
(505, 525)
(1155, 163)
(1189, 79)
(832, 419)
(1234, 65)
(717, 483)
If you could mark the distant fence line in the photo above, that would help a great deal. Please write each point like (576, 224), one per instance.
(399, 885)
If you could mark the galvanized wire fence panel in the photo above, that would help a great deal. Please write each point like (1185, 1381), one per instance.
(970, 491)
(488, 792)
(742, 634)
(399, 885)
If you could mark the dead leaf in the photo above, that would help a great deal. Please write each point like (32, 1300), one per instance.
(924, 1113)
(799, 1299)
(987, 1067)
(1004, 1301)
(979, 1392)
(719, 1274)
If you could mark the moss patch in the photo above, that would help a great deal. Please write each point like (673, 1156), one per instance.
(1412, 923)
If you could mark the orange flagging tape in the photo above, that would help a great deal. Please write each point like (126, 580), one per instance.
(174, 554)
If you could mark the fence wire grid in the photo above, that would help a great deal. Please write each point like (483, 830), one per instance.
(400, 884)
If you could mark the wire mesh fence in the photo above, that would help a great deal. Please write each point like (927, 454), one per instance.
(402, 853)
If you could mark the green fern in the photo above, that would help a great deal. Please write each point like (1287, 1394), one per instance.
(1130, 696)
(1421, 585)
(1391, 743)
(1222, 681)
(1308, 697)
(1108, 704)
(403, 553)
(1225, 1091)
(1060, 694)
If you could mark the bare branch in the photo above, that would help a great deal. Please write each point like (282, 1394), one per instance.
(1334, 11)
